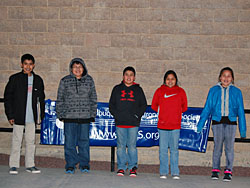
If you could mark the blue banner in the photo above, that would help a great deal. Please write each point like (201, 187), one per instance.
(102, 131)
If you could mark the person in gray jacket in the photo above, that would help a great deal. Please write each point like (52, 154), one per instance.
(76, 107)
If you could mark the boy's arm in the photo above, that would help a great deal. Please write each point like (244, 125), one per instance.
(155, 101)
(112, 103)
(241, 115)
(8, 100)
(42, 100)
(142, 104)
(93, 101)
(60, 100)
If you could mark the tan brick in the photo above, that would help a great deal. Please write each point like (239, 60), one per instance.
(4, 76)
(188, 4)
(225, 41)
(240, 54)
(48, 65)
(100, 65)
(4, 62)
(162, 28)
(46, 13)
(161, 53)
(15, 64)
(60, 3)
(9, 51)
(212, 29)
(97, 13)
(10, 3)
(3, 38)
(226, 15)
(3, 11)
(60, 26)
(64, 64)
(150, 66)
(187, 53)
(86, 26)
(21, 38)
(137, 3)
(162, 4)
(242, 80)
(47, 39)
(75, 39)
(123, 40)
(34, 3)
(72, 13)
(97, 40)
(34, 25)
(214, 4)
(118, 66)
(36, 51)
(10, 26)
(244, 42)
(244, 68)
(20, 13)
(51, 79)
(187, 28)
(212, 54)
(123, 14)
(59, 52)
(109, 53)
(244, 16)
(201, 15)
(137, 27)
(83, 3)
(135, 53)
(242, 28)
(103, 92)
(85, 53)
(105, 3)
(149, 41)
(149, 14)
(179, 15)
(111, 27)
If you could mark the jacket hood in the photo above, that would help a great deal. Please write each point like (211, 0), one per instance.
(163, 86)
(134, 84)
(85, 71)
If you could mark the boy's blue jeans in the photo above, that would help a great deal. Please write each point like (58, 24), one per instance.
(126, 137)
(169, 139)
(76, 134)
(223, 133)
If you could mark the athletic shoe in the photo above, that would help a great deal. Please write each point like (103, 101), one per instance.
(215, 175)
(163, 177)
(176, 177)
(120, 172)
(13, 171)
(227, 176)
(33, 170)
(70, 170)
(132, 172)
(84, 169)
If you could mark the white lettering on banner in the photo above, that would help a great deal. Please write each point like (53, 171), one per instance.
(103, 112)
(148, 135)
(190, 121)
(103, 134)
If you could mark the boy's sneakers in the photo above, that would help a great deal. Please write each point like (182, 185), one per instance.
(33, 170)
(227, 175)
(120, 172)
(132, 172)
(13, 171)
(215, 174)
(70, 170)
(163, 177)
(84, 169)
(176, 177)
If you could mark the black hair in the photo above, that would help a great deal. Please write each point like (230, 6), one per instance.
(168, 73)
(129, 69)
(226, 69)
(27, 57)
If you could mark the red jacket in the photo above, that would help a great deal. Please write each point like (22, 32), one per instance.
(169, 103)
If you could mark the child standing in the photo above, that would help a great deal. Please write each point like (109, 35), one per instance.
(21, 96)
(170, 101)
(127, 104)
(225, 104)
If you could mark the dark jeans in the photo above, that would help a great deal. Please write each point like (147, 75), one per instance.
(76, 134)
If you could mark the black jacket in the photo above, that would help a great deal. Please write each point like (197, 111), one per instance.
(127, 104)
(15, 97)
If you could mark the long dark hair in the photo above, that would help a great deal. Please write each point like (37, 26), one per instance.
(226, 69)
(168, 73)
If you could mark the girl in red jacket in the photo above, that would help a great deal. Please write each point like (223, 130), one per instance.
(170, 101)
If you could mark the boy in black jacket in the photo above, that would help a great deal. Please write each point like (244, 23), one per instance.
(127, 104)
(22, 95)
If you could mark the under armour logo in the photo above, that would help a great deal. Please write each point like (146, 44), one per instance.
(131, 94)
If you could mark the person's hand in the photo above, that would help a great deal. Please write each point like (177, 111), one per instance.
(12, 121)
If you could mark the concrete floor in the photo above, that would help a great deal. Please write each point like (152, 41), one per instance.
(56, 178)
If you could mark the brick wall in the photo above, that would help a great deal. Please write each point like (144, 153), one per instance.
(196, 38)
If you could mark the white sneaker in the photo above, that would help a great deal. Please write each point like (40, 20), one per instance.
(175, 177)
(13, 171)
(163, 177)
(33, 170)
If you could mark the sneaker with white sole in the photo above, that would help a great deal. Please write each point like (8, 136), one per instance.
(13, 171)
(120, 172)
(33, 170)
(176, 177)
(163, 177)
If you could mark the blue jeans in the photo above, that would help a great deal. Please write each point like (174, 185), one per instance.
(126, 137)
(223, 133)
(76, 133)
(169, 139)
